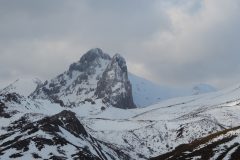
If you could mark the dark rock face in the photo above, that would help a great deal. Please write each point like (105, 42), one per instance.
(8, 98)
(114, 86)
(2, 111)
(66, 119)
(12, 97)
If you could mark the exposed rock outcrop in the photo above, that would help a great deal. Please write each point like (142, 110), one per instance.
(114, 87)
(89, 61)
(8, 98)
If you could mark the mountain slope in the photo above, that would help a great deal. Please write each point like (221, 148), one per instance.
(221, 145)
(202, 88)
(22, 86)
(146, 93)
(60, 136)
(36, 135)
(158, 129)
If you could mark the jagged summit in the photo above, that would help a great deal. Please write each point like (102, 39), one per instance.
(95, 75)
(90, 59)
(114, 86)
(95, 52)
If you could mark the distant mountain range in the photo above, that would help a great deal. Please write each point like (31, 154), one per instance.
(96, 109)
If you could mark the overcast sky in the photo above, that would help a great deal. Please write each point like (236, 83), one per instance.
(171, 42)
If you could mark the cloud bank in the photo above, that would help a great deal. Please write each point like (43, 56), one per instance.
(178, 42)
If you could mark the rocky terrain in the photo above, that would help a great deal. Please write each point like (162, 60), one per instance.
(60, 136)
(221, 145)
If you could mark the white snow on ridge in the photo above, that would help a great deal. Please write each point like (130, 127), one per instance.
(145, 92)
(22, 86)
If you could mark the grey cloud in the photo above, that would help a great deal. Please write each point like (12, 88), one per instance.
(179, 42)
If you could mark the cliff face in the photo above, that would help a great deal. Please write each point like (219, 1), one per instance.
(114, 87)
(95, 75)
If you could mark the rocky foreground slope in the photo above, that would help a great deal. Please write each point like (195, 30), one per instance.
(60, 136)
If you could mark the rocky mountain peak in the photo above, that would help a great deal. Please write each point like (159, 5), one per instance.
(93, 54)
(90, 59)
(95, 75)
(114, 86)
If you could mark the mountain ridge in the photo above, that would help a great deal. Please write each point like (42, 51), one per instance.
(80, 82)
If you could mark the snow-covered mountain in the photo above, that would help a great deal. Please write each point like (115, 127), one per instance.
(77, 115)
(95, 76)
(146, 93)
(22, 86)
